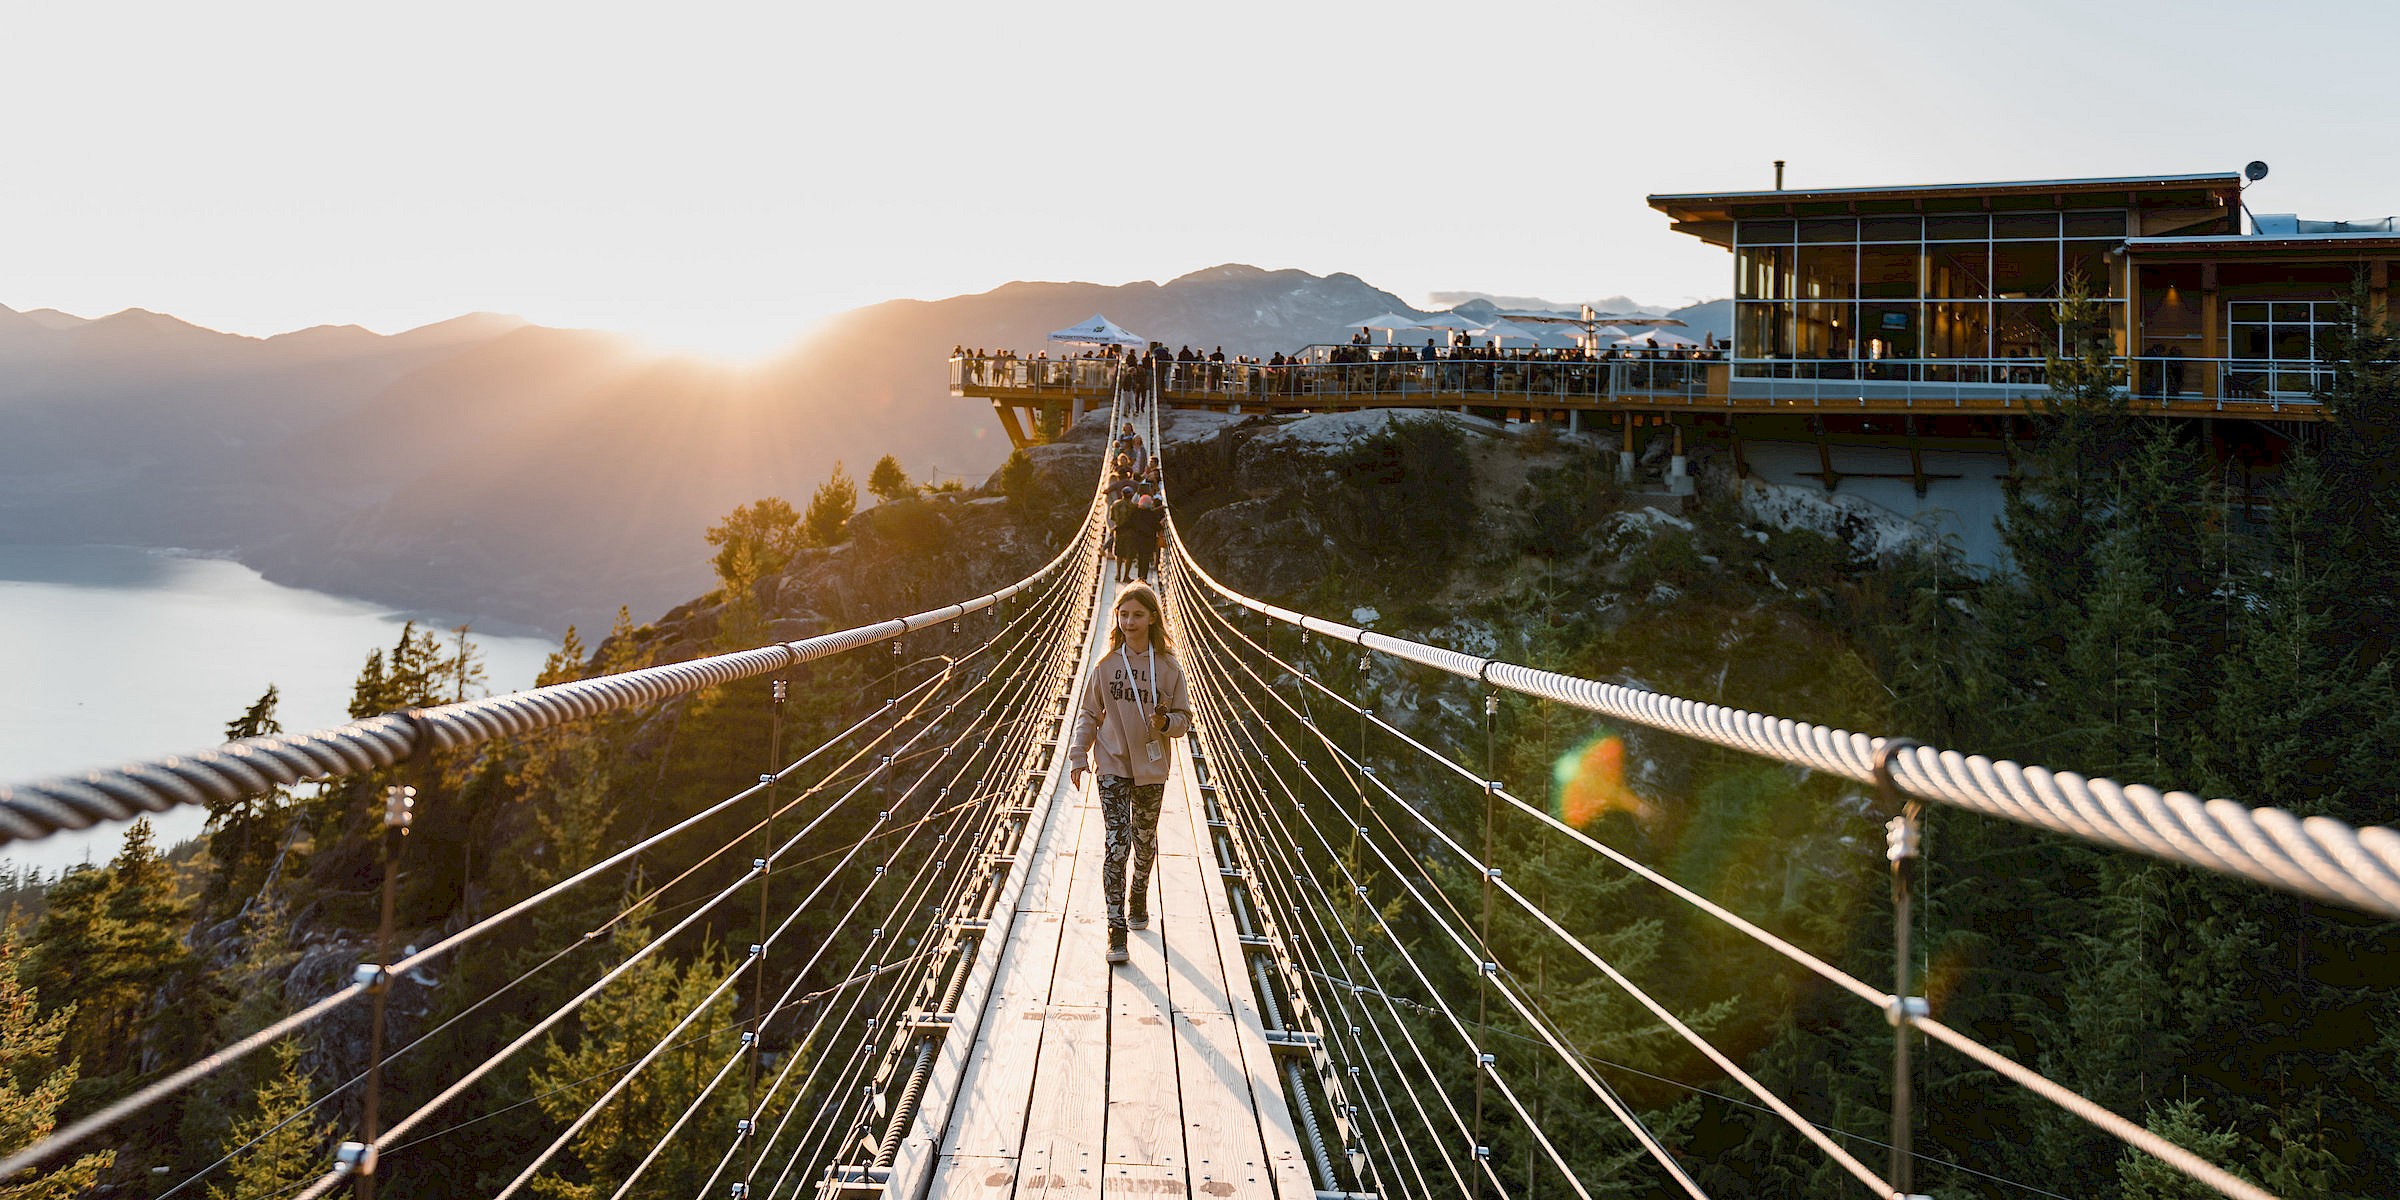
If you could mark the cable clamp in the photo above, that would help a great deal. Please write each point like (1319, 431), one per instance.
(756, 949)
(1483, 1152)
(1492, 873)
(355, 1158)
(1900, 838)
(1485, 1060)
(1494, 786)
(1491, 968)
(782, 691)
(371, 976)
(1491, 704)
(399, 806)
(749, 1037)
(1906, 1008)
(766, 777)
(740, 1190)
(758, 864)
(741, 1128)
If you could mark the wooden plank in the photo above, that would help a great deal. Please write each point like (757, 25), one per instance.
(1145, 1128)
(1196, 967)
(1128, 1181)
(1054, 855)
(1063, 1128)
(1080, 976)
(973, 1177)
(1220, 1129)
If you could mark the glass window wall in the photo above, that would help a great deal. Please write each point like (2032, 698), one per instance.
(1943, 286)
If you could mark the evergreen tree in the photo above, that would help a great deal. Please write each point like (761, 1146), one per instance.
(245, 834)
(888, 482)
(1018, 480)
(34, 1084)
(110, 944)
(288, 1156)
(565, 664)
(617, 1027)
(464, 667)
(755, 541)
(830, 508)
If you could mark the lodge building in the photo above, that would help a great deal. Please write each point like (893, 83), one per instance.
(1901, 318)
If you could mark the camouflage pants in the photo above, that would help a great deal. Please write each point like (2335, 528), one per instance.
(1131, 811)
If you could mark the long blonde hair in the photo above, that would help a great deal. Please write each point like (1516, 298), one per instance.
(1142, 594)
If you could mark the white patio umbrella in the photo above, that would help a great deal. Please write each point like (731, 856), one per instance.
(1392, 324)
(1657, 337)
(1504, 333)
(1450, 320)
(1097, 330)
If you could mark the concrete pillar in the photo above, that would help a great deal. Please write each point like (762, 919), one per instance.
(1075, 414)
(1625, 453)
(1574, 420)
(1679, 483)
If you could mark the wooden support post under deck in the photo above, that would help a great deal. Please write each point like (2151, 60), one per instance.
(1824, 455)
(1009, 422)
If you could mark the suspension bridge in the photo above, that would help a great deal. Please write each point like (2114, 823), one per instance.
(953, 1029)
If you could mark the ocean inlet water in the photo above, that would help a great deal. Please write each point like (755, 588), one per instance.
(110, 653)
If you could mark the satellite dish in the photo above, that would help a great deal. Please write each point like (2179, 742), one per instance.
(2256, 171)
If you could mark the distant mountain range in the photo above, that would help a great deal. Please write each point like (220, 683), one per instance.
(538, 476)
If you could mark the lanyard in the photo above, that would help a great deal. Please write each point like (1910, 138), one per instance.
(1135, 684)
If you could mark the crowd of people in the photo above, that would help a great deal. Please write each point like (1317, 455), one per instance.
(1466, 364)
(1137, 512)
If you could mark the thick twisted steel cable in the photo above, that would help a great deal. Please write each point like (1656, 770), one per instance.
(244, 755)
(1013, 747)
(492, 1061)
(2317, 857)
(1475, 953)
(846, 1092)
(817, 1062)
(2109, 1122)
(1472, 946)
(39, 808)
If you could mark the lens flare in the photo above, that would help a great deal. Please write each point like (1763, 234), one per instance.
(1590, 782)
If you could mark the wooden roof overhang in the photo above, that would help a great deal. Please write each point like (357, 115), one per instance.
(2293, 248)
(1710, 216)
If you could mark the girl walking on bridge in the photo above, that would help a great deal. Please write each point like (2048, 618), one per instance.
(1132, 703)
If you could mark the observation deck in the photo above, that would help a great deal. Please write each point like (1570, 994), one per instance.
(1541, 385)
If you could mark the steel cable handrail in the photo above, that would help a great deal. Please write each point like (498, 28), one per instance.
(2117, 1126)
(1476, 952)
(2317, 857)
(41, 807)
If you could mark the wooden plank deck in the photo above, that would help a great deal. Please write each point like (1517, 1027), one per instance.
(1151, 1079)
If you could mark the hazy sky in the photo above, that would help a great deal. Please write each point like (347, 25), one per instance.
(721, 176)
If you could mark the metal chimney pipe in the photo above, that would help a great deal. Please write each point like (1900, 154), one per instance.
(1779, 174)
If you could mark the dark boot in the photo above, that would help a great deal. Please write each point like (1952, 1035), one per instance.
(1116, 946)
(1137, 911)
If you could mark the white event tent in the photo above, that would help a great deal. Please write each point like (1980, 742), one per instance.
(1098, 330)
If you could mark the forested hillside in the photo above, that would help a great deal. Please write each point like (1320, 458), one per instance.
(2143, 634)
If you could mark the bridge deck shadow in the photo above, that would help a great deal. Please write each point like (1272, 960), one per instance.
(1145, 1080)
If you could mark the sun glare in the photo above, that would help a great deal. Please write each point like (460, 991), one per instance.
(730, 344)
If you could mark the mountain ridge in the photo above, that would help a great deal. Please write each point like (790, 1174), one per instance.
(536, 475)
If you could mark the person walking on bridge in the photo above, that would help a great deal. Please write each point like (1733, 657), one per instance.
(1132, 703)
